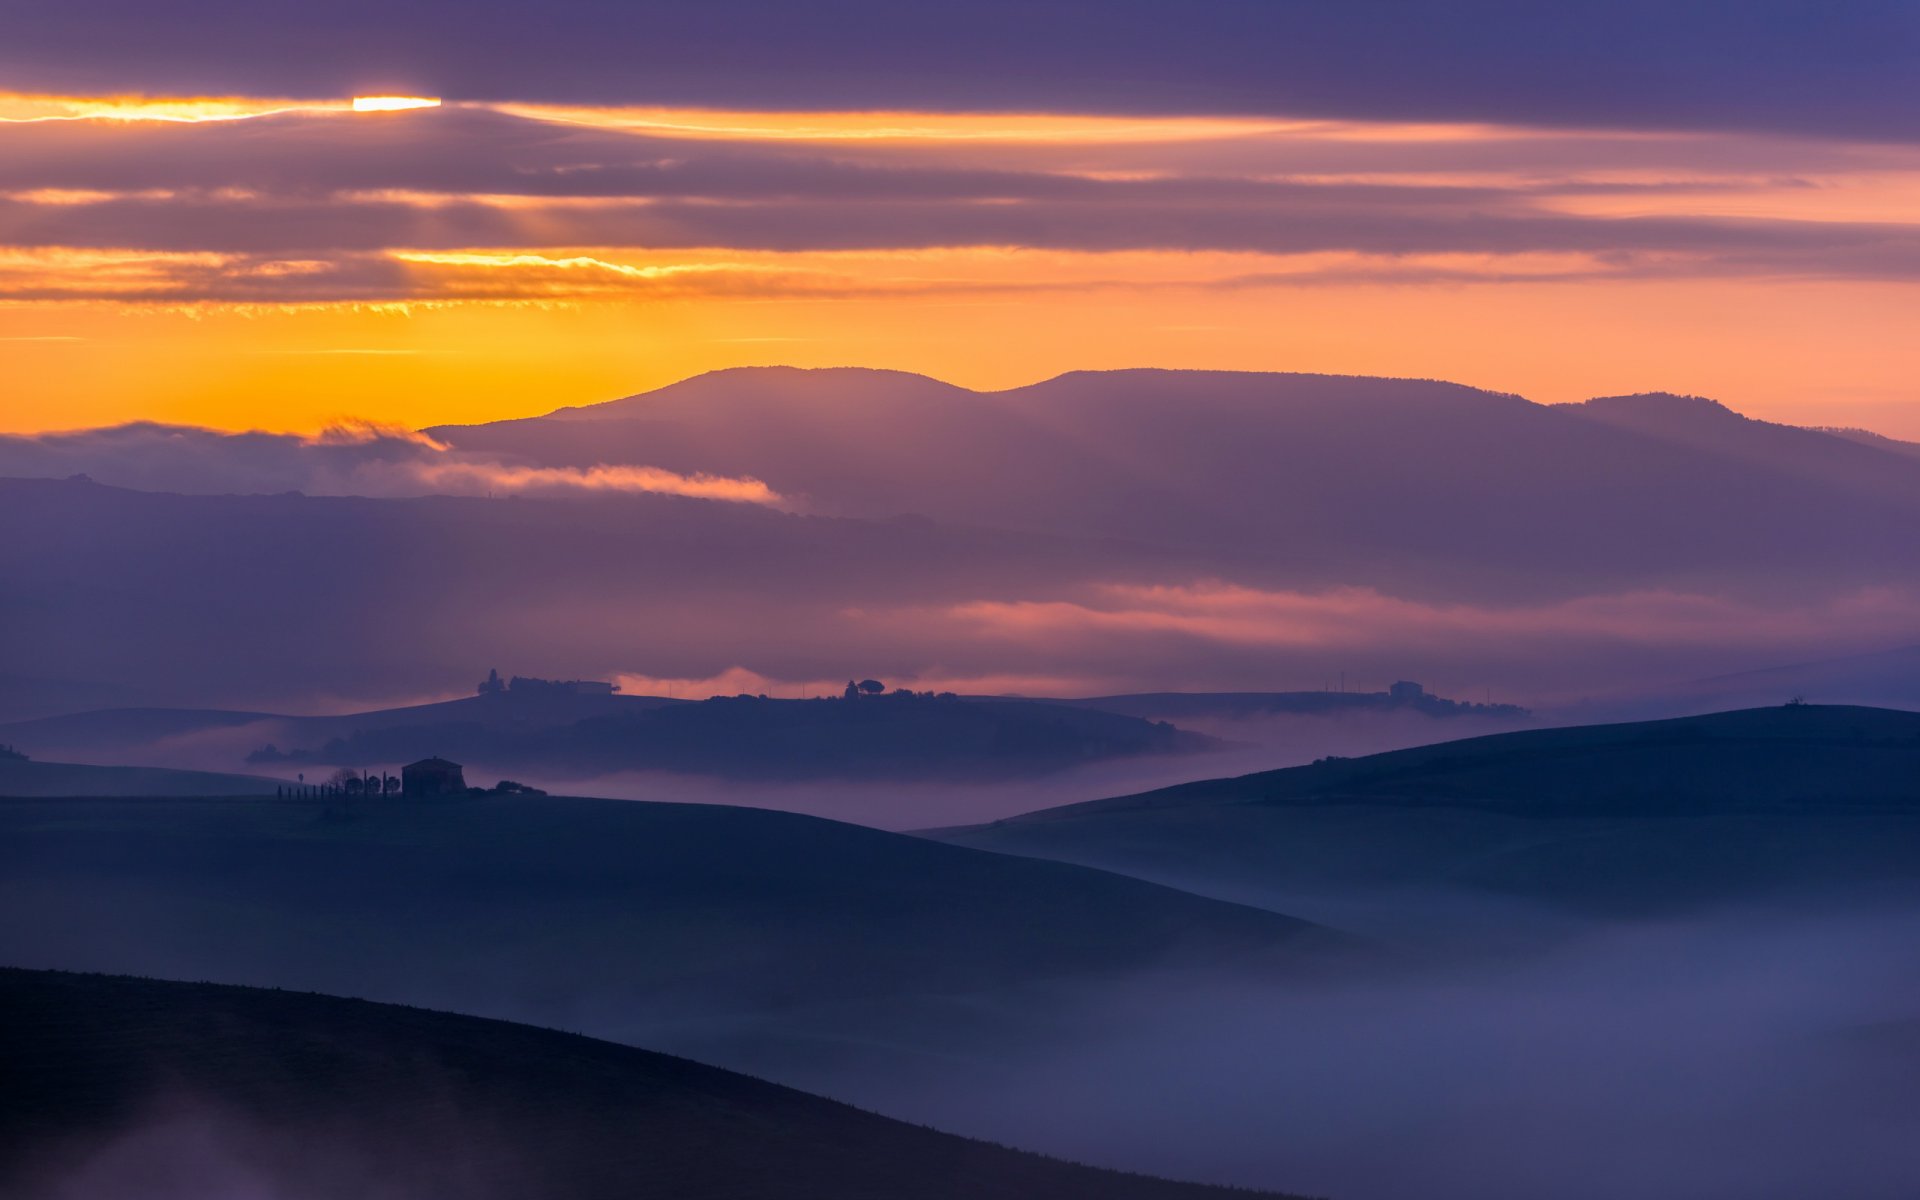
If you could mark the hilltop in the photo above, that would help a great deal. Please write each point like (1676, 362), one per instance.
(1797, 755)
(1355, 472)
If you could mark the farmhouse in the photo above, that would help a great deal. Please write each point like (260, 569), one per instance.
(432, 777)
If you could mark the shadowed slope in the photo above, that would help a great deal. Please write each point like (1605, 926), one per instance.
(116, 1085)
(34, 778)
(1645, 817)
(1807, 755)
(616, 917)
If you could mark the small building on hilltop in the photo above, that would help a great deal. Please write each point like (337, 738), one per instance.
(1406, 690)
(432, 777)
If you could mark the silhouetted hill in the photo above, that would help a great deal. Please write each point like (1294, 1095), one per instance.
(1408, 479)
(1815, 455)
(117, 1086)
(130, 729)
(1878, 441)
(1792, 755)
(893, 736)
(849, 441)
(30, 777)
(1649, 816)
(1884, 678)
(633, 920)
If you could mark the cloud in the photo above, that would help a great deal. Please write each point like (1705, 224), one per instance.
(1223, 635)
(359, 458)
(1354, 617)
(1710, 64)
(482, 203)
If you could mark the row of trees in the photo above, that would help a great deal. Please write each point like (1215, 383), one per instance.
(349, 782)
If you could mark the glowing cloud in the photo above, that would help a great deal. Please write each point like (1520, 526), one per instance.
(363, 104)
(912, 239)
(1353, 617)
(20, 108)
(470, 477)
(350, 457)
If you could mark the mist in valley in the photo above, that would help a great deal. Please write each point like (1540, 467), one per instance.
(1246, 745)
(1751, 1054)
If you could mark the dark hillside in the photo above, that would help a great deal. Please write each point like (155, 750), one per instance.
(1816, 804)
(117, 1086)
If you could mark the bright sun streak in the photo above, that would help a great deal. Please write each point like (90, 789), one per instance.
(392, 103)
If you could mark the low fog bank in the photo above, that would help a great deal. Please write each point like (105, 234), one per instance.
(1754, 1053)
(1748, 1056)
(1250, 745)
(184, 1147)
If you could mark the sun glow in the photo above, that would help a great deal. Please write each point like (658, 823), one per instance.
(24, 109)
(392, 103)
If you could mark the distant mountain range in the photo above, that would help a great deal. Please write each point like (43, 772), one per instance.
(1390, 477)
(1099, 532)
(117, 1086)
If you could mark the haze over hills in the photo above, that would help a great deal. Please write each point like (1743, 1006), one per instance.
(754, 937)
(551, 733)
(1346, 468)
(118, 1086)
(1028, 723)
(1884, 678)
(1830, 458)
(1143, 531)
(1004, 996)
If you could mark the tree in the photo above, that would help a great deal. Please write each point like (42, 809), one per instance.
(872, 687)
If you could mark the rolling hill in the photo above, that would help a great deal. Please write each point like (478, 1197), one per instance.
(1639, 818)
(120, 1086)
(897, 736)
(752, 936)
(24, 777)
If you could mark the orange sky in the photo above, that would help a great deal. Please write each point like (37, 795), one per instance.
(1764, 272)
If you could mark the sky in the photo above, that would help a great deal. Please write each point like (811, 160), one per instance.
(199, 226)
